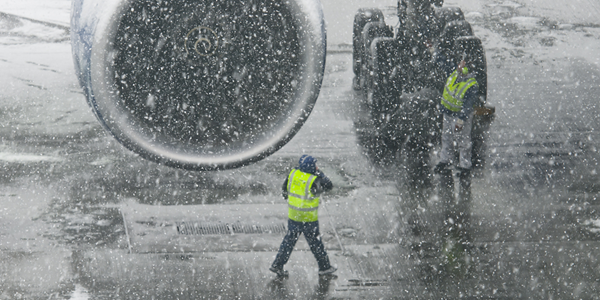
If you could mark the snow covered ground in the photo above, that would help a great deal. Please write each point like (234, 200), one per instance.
(52, 11)
(580, 12)
(66, 180)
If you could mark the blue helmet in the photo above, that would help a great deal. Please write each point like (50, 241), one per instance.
(307, 164)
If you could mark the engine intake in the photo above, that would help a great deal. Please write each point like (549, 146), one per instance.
(200, 85)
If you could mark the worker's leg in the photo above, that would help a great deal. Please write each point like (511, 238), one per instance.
(465, 144)
(446, 154)
(289, 241)
(463, 207)
(313, 237)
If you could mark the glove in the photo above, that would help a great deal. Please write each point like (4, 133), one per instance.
(458, 126)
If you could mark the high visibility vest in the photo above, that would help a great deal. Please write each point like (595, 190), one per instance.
(454, 93)
(302, 204)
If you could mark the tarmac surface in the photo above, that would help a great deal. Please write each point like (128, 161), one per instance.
(81, 217)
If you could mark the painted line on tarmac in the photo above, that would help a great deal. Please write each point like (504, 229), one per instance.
(49, 24)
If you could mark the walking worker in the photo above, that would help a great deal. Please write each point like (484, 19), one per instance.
(302, 188)
(460, 93)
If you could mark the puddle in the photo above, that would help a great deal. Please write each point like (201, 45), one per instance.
(160, 186)
(348, 232)
(91, 226)
(525, 23)
(505, 9)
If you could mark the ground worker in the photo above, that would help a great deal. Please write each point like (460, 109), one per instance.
(302, 188)
(460, 93)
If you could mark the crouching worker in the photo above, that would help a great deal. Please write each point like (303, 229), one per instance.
(302, 188)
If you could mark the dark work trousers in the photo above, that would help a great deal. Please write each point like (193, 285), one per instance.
(312, 235)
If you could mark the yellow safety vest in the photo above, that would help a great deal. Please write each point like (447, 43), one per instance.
(302, 204)
(454, 93)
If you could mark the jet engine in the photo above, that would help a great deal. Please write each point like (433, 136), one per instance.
(200, 84)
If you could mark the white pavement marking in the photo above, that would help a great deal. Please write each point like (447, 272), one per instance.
(27, 158)
(80, 293)
(126, 232)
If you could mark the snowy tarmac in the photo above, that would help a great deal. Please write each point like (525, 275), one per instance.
(83, 218)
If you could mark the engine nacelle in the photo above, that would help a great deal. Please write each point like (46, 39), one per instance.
(200, 85)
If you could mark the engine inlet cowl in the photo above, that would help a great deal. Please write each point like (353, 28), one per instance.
(200, 85)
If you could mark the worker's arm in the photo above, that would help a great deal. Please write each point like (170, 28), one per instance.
(469, 100)
(284, 191)
(467, 109)
(321, 184)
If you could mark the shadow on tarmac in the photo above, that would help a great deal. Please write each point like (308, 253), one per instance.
(277, 289)
(438, 234)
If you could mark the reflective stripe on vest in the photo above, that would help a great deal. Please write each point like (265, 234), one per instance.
(302, 204)
(454, 93)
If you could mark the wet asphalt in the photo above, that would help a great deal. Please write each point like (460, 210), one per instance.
(81, 217)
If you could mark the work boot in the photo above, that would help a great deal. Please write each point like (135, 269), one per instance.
(279, 271)
(441, 167)
(328, 271)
